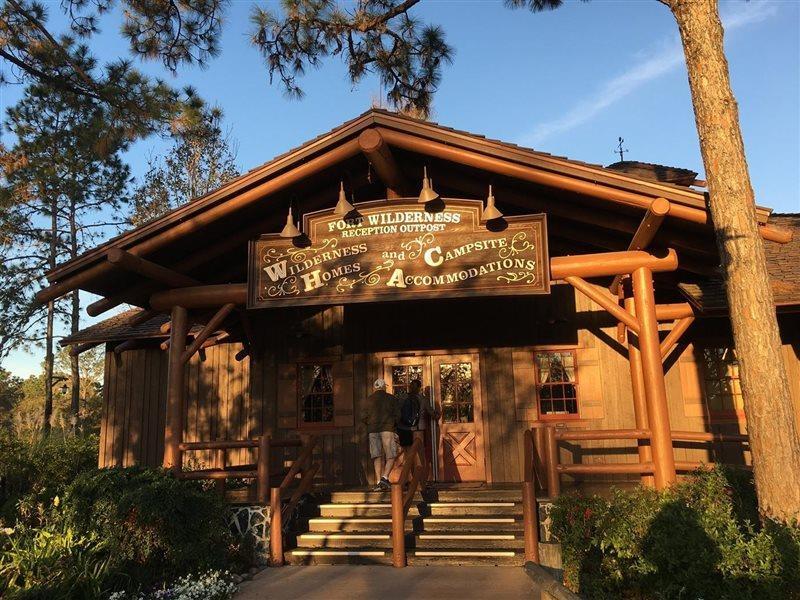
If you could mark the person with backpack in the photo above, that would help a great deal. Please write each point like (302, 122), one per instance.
(414, 414)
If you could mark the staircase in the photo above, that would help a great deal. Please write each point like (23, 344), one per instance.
(453, 526)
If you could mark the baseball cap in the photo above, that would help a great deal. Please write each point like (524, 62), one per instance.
(380, 384)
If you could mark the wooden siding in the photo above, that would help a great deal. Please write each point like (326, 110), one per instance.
(227, 399)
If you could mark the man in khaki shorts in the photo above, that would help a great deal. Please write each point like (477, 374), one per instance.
(383, 411)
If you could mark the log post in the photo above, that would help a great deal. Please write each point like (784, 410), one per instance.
(653, 377)
(173, 432)
(639, 399)
(380, 157)
(398, 527)
(553, 480)
(529, 518)
(275, 527)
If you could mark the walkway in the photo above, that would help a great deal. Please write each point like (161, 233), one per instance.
(350, 582)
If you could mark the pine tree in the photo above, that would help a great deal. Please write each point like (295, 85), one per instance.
(60, 181)
(201, 159)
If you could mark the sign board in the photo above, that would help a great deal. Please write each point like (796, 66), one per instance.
(394, 251)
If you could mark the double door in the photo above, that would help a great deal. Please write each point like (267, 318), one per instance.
(451, 384)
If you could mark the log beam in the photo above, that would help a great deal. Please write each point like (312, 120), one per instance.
(382, 160)
(210, 327)
(193, 222)
(206, 296)
(141, 266)
(653, 373)
(130, 345)
(670, 312)
(539, 176)
(653, 217)
(603, 301)
(673, 337)
(78, 349)
(173, 430)
(604, 264)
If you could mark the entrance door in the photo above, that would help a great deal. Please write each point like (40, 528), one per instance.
(454, 382)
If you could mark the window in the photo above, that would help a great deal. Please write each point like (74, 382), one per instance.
(721, 381)
(402, 376)
(315, 394)
(556, 389)
(456, 388)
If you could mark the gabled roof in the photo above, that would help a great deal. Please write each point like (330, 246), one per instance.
(590, 208)
(596, 174)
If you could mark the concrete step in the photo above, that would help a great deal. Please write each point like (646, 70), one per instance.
(361, 524)
(350, 556)
(513, 494)
(376, 509)
(476, 508)
(485, 540)
(344, 540)
(358, 496)
(464, 523)
(465, 556)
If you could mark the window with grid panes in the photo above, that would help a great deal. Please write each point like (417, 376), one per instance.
(556, 387)
(315, 394)
(456, 388)
(721, 381)
(402, 376)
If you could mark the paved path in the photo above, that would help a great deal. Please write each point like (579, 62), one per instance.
(354, 582)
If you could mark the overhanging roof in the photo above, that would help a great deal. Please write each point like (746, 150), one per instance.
(177, 237)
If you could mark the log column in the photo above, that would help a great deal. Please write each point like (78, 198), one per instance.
(653, 378)
(639, 395)
(173, 431)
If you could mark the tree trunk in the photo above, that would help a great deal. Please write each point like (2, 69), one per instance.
(48, 342)
(75, 319)
(48, 369)
(770, 417)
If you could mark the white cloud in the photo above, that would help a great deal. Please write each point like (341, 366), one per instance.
(657, 62)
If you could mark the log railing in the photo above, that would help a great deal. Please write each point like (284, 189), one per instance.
(413, 474)
(304, 467)
(541, 454)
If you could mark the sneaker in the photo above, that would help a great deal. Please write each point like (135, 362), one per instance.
(384, 484)
(377, 487)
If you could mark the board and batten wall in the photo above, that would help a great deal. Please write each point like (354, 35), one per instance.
(229, 399)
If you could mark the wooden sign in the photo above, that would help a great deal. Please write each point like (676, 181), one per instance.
(396, 250)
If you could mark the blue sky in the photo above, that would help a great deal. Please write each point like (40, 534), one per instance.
(567, 82)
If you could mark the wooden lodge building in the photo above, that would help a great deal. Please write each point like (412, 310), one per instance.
(574, 330)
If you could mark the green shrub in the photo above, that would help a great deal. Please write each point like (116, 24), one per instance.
(157, 527)
(51, 561)
(698, 539)
(35, 472)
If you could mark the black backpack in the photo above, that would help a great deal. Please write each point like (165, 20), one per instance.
(409, 411)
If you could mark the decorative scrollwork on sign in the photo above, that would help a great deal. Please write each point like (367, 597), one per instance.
(519, 243)
(273, 255)
(301, 254)
(517, 276)
(417, 245)
(371, 278)
(287, 287)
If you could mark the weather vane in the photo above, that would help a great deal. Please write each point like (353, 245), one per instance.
(620, 150)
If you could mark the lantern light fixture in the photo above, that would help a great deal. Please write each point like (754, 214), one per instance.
(290, 230)
(491, 212)
(428, 194)
(343, 207)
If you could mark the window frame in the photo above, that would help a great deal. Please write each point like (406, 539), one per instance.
(725, 413)
(537, 386)
(314, 425)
